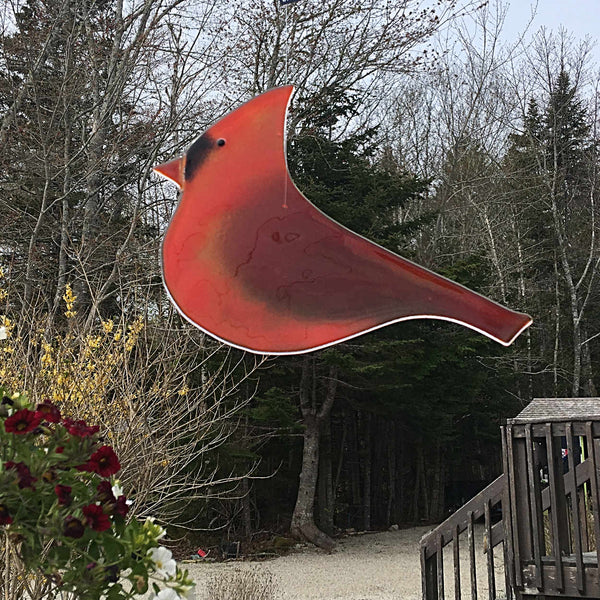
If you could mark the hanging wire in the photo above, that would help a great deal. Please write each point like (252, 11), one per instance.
(286, 33)
(287, 40)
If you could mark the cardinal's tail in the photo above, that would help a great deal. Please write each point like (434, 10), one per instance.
(454, 302)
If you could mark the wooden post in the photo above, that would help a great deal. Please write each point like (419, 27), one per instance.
(513, 507)
(490, 551)
(579, 576)
(429, 575)
(558, 513)
(472, 566)
(593, 457)
(509, 554)
(456, 552)
(535, 503)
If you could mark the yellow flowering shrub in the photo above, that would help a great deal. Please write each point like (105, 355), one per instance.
(77, 372)
(145, 385)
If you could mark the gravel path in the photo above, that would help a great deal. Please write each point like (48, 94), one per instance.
(371, 566)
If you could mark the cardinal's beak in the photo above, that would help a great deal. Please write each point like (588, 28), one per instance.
(173, 170)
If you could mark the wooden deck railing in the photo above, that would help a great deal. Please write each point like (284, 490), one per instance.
(448, 532)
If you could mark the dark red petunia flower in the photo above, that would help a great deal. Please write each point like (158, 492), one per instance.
(48, 411)
(110, 504)
(23, 421)
(121, 507)
(73, 528)
(64, 494)
(95, 517)
(59, 449)
(80, 428)
(104, 462)
(26, 479)
(5, 518)
(105, 494)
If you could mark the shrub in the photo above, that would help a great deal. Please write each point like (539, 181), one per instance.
(247, 584)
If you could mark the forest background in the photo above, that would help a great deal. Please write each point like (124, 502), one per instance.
(412, 125)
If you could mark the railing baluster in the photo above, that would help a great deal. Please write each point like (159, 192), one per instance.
(555, 507)
(594, 459)
(513, 506)
(456, 549)
(535, 505)
(509, 556)
(428, 575)
(440, 568)
(490, 552)
(472, 566)
(579, 576)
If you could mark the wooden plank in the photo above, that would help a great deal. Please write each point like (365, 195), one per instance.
(554, 509)
(538, 428)
(507, 580)
(490, 552)
(582, 501)
(428, 576)
(575, 510)
(455, 549)
(472, 565)
(440, 569)
(523, 524)
(509, 555)
(535, 506)
(592, 581)
(593, 446)
(513, 506)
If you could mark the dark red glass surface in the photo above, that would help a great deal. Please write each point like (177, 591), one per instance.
(248, 259)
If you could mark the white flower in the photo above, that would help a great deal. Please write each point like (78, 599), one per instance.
(157, 530)
(167, 594)
(190, 593)
(3, 334)
(163, 562)
(117, 490)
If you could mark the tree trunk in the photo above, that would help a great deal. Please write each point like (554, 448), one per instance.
(354, 459)
(325, 496)
(391, 452)
(366, 463)
(303, 520)
(303, 524)
(438, 482)
(246, 509)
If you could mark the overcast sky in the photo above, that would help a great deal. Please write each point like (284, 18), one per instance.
(579, 17)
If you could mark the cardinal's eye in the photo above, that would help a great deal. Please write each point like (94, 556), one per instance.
(220, 142)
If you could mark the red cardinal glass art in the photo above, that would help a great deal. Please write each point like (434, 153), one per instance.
(249, 260)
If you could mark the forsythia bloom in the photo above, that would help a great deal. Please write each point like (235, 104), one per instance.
(134, 332)
(93, 341)
(69, 299)
(7, 325)
(3, 293)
